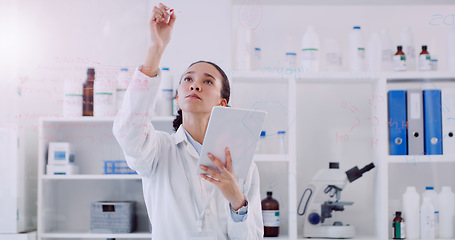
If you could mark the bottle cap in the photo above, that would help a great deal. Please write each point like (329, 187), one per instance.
(165, 69)
(429, 188)
(90, 71)
(398, 213)
(424, 47)
(334, 165)
(124, 69)
(291, 54)
(262, 133)
(356, 27)
(281, 132)
(269, 193)
(257, 49)
(399, 47)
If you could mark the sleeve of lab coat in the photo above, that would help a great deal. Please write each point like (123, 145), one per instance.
(133, 128)
(252, 228)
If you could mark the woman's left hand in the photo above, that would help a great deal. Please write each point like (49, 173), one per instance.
(225, 180)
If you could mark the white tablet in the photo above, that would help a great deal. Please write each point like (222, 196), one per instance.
(235, 128)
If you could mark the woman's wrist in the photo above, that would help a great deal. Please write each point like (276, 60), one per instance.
(238, 203)
(152, 60)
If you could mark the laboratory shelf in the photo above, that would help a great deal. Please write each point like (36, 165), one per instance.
(92, 177)
(415, 159)
(63, 235)
(99, 119)
(271, 158)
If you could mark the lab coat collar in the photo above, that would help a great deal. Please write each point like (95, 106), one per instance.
(180, 136)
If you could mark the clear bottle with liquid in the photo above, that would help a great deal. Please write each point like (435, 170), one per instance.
(271, 216)
(399, 60)
(356, 50)
(310, 51)
(87, 93)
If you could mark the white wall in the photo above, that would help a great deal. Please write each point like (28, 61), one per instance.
(60, 39)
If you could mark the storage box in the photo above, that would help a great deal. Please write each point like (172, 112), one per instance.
(60, 153)
(112, 217)
(68, 169)
(117, 167)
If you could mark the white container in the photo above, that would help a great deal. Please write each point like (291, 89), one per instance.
(104, 98)
(256, 60)
(427, 229)
(374, 53)
(451, 49)
(310, 51)
(282, 146)
(290, 53)
(260, 146)
(446, 212)
(123, 80)
(387, 51)
(331, 55)
(411, 212)
(433, 195)
(165, 95)
(356, 50)
(407, 41)
(72, 99)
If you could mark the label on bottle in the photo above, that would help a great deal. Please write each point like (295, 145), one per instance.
(271, 218)
(361, 53)
(309, 54)
(399, 62)
(424, 62)
(398, 230)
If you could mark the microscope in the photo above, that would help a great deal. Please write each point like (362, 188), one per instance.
(327, 185)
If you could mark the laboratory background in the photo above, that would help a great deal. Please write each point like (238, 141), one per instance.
(357, 143)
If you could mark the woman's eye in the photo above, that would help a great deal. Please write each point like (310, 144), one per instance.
(186, 79)
(209, 81)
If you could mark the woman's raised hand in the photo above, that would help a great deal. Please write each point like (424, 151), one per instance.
(225, 180)
(161, 25)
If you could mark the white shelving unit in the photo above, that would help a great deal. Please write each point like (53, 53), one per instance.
(64, 200)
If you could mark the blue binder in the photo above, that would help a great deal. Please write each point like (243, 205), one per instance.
(397, 122)
(432, 121)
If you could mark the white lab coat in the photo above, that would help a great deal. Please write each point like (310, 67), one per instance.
(157, 157)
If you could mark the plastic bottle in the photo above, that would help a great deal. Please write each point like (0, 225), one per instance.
(411, 211)
(398, 225)
(255, 52)
(446, 212)
(433, 195)
(72, 99)
(427, 229)
(356, 50)
(331, 60)
(407, 41)
(374, 53)
(451, 49)
(387, 51)
(424, 60)
(260, 144)
(123, 81)
(399, 60)
(271, 216)
(310, 51)
(165, 95)
(104, 98)
(290, 54)
(87, 93)
(282, 142)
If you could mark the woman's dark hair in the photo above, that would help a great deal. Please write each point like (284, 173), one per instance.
(225, 92)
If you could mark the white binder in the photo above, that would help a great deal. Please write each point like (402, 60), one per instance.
(448, 120)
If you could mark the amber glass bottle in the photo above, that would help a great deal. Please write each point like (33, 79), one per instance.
(87, 94)
(398, 227)
(271, 216)
(399, 60)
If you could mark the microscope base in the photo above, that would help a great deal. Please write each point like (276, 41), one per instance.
(329, 232)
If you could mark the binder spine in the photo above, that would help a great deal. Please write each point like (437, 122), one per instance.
(432, 122)
(415, 122)
(397, 122)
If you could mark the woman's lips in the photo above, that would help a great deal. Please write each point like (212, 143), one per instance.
(193, 96)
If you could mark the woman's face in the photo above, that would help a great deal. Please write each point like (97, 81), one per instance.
(200, 89)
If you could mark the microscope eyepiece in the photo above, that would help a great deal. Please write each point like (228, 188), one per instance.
(355, 173)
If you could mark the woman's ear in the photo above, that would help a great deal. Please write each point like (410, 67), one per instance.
(223, 102)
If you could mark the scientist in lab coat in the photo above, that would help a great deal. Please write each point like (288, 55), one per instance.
(180, 203)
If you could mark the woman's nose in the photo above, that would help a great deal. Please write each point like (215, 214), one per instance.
(195, 88)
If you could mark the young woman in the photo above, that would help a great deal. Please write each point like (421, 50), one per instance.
(180, 203)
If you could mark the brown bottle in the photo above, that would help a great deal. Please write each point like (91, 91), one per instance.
(271, 216)
(87, 94)
(398, 227)
(399, 60)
